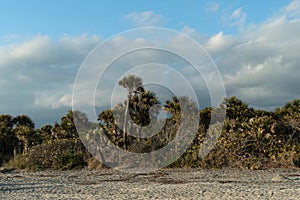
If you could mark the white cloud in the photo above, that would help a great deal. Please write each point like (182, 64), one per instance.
(22, 78)
(145, 19)
(236, 14)
(188, 30)
(41, 51)
(38, 73)
(27, 48)
(218, 42)
(291, 11)
(263, 58)
(17, 52)
(212, 7)
(238, 17)
(260, 65)
(294, 5)
(54, 99)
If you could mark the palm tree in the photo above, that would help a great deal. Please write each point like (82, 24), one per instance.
(106, 119)
(45, 133)
(173, 107)
(26, 135)
(238, 110)
(24, 130)
(8, 140)
(7, 121)
(68, 126)
(131, 83)
(23, 120)
(140, 106)
(184, 112)
(73, 123)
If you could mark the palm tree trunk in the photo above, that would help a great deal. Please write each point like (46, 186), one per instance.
(15, 154)
(26, 147)
(140, 133)
(125, 122)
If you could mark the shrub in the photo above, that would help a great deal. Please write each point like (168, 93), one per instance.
(61, 154)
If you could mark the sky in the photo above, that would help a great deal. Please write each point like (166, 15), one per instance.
(255, 45)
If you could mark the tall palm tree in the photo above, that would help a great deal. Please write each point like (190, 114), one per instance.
(131, 83)
(140, 106)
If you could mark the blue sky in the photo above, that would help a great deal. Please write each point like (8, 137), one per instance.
(43, 43)
(106, 18)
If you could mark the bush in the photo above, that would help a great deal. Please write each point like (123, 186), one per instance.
(69, 161)
(61, 154)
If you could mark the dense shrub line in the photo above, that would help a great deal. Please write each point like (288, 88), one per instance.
(251, 139)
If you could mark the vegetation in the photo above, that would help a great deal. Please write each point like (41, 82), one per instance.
(251, 139)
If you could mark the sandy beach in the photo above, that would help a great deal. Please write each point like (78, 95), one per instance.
(163, 184)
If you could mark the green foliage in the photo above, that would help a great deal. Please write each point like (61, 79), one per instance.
(8, 139)
(69, 161)
(23, 120)
(16, 135)
(62, 154)
(131, 82)
(251, 139)
(238, 110)
(289, 109)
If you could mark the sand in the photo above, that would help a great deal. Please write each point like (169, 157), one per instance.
(163, 184)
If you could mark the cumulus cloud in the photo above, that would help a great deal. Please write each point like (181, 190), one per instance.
(38, 73)
(219, 42)
(127, 64)
(260, 65)
(145, 19)
(54, 99)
